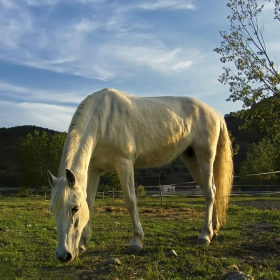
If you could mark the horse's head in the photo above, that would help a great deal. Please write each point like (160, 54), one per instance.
(71, 213)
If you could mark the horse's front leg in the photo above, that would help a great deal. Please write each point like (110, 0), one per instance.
(126, 174)
(92, 184)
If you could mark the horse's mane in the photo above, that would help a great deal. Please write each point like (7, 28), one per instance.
(60, 195)
(81, 113)
(72, 142)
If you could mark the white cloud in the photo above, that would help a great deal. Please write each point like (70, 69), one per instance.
(86, 26)
(43, 115)
(131, 45)
(15, 23)
(78, 49)
(7, 4)
(59, 61)
(157, 58)
(88, 1)
(166, 4)
(39, 95)
(41, 3)
(274, 47)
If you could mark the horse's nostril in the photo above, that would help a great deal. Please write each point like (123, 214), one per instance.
(65, 258)
(68, 257)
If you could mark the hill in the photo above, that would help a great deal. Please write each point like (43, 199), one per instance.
(174, 173)
(8, 138)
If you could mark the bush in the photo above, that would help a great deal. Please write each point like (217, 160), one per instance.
(141, 191)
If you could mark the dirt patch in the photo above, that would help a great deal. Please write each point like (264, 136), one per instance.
(155, 212)
(110, 209)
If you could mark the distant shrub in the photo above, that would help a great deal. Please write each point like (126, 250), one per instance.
(141, 191)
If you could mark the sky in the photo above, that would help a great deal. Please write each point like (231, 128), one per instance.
(53, 53)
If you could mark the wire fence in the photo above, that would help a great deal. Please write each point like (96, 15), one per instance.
(256, 190)
(156, 191)
(238, 189)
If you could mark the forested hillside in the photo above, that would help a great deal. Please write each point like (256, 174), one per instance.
(8, 139)
(174, 173)
(242, 137)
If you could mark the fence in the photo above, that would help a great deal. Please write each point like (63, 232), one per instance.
(157, 191)
(114, 194)
(237, 190)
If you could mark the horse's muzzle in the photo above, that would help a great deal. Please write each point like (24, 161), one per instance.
(65, 257)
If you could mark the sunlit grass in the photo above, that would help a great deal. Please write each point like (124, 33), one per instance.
(250, 241)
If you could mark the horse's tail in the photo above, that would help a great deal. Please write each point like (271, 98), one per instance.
(223, 172)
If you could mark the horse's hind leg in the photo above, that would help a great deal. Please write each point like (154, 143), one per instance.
(126, 174)
(93, 180)
(216, 223)
(201, 170)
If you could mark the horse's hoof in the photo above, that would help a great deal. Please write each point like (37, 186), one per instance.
(134, 250)
(82, 249)
(203, 241)
(215, 236)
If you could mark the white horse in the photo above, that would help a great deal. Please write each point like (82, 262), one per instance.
(114, 131)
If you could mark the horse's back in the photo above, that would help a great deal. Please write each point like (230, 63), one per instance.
(140, 108)
(151, 131)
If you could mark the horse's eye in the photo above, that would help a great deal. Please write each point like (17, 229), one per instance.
(74, 210)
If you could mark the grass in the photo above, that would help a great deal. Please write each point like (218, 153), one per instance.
(250, 241)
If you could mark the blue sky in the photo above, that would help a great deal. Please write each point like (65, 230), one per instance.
(53, 53)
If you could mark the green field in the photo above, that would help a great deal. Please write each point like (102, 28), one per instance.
(250, 241)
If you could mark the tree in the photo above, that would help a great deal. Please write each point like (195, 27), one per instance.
(111, 179)
(235, 148)
(262, 157)
(35, 154)
(256, 79)
(55, 146)
(141, 191)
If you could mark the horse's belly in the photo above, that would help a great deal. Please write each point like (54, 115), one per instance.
(157, 158)
(143, 163)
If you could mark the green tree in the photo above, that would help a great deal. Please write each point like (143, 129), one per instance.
(141, 191)
(35, 154)
(55, 146)
(256, 79)
(111, 179)
(262, 157)
(235, 148)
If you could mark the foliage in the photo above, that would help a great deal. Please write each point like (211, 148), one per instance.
(235, 148)
(55, 146)
(110, 181)
(141, 191)
(104, 188)
(256, 79)
(262, 157)
(35, 154)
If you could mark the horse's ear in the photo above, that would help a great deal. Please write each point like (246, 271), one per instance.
(52, 179)
(70, 177)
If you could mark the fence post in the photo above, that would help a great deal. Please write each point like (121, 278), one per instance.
(161, 198)
(103, 195)
(113, 194)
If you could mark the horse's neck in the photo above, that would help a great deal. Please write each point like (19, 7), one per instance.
(76, 156)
